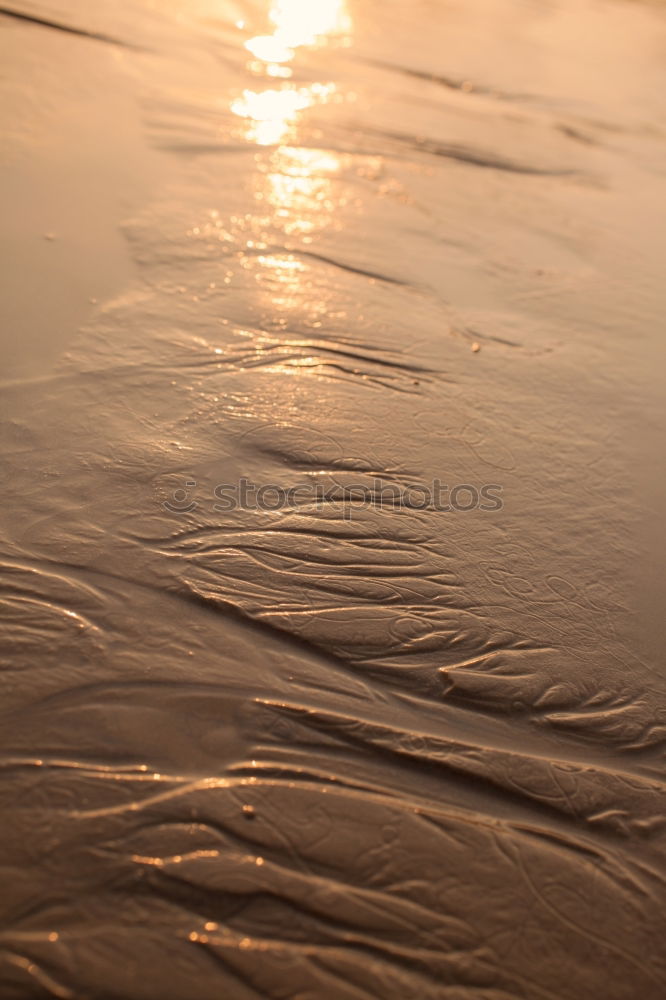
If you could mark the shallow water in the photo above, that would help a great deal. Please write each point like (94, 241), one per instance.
(343, 749)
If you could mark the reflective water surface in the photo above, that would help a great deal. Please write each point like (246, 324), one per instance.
(341, 747)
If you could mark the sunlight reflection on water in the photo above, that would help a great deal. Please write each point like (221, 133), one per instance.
(297, 188)
(271, 113)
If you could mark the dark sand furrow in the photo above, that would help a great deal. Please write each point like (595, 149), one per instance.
(60, 26)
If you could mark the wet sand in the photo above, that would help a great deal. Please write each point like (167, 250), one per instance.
(357, 746)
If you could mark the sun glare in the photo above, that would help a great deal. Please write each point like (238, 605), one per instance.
(270, 113)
